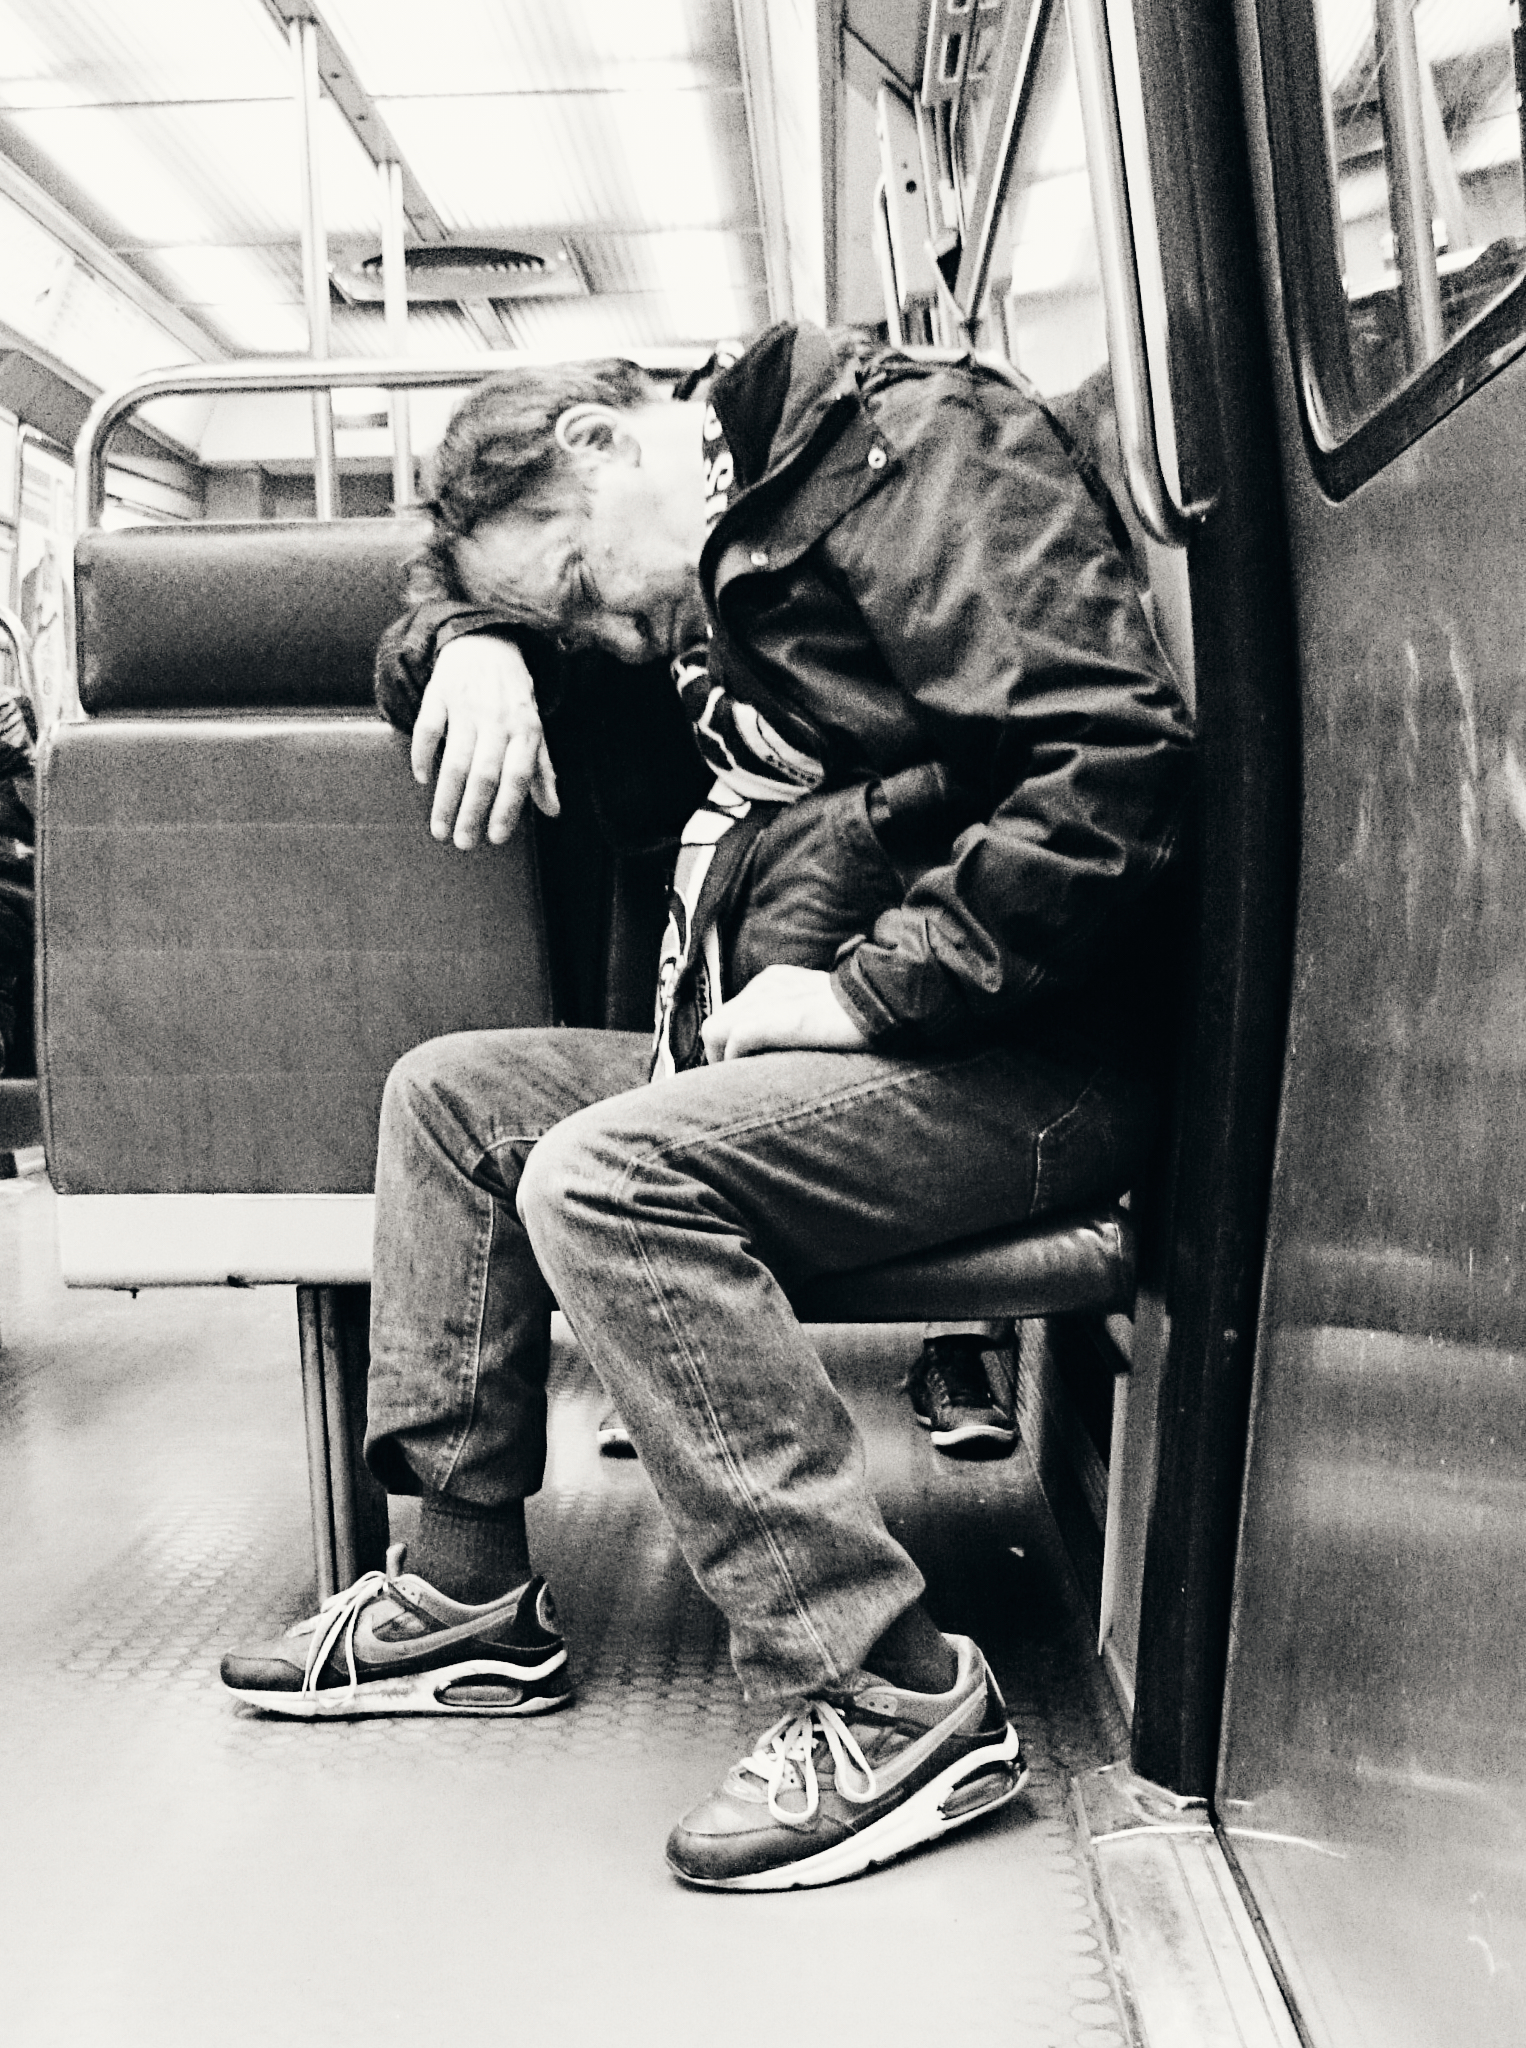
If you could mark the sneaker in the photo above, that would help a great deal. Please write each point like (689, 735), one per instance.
(392, 1645)
(851, 1778)
(964, 1390)
(614, 1437)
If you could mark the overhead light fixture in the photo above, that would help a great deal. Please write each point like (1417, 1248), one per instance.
(534, 267)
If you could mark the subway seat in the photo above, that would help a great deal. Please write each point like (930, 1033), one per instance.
(243, 922)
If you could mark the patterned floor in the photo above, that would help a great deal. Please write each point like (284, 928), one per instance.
(176, 1869)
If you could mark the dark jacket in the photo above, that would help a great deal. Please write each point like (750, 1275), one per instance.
(913, 580)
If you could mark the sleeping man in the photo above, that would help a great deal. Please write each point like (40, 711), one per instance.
(934, 765)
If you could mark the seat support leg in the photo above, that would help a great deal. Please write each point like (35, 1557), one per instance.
(349, 1508)
(319, 1489)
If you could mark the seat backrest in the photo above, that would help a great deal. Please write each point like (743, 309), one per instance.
(243, 921)
(225, 618)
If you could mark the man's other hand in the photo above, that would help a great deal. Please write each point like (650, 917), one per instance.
(481, 702)
(780, 1010)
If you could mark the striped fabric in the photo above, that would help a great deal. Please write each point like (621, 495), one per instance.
(755, 772)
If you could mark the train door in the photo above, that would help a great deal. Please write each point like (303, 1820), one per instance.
(1371, 1783)
(1081, 169)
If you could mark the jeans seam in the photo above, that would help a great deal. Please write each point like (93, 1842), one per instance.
(720, 1133)
(881, 1084)
(482, 1267)
(1053, 1131)
(718, 1435)
(733, 1466)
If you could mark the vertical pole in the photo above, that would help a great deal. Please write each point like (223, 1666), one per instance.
(314, 1408)
(368, 1512)
(315, 255)
(1518, 44)
(1409, 185)
(395, 295)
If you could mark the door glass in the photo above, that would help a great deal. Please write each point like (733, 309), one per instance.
(1424, 136)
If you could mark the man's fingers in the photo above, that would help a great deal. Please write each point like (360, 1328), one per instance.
(543, 787)
(455, 767)
(493, 763)
(428, 731)
(517, 770)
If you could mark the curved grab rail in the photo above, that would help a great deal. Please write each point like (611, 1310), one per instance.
(1159, 513)
(16, 633)
(338, 373)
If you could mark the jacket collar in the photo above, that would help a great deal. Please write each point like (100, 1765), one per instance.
(805, 447)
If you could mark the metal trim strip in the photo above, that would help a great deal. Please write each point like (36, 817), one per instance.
(130, 1241)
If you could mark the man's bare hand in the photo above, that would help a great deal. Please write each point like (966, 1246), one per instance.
(781, 1009)
(481, 702)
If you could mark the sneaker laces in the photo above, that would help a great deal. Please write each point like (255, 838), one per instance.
(336, 1619)
(785, 1757)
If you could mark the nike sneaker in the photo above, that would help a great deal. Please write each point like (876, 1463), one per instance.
(963, 1392)
(851, 1778)
(390, 1644)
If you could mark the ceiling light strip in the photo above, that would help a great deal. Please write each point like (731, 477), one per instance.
(109, 268)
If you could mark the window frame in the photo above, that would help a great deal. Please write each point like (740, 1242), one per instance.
(1315, 300)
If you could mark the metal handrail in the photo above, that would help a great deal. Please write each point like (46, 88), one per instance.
(1016, 65)
(1133, 391)
(20, 641)
(339, 373)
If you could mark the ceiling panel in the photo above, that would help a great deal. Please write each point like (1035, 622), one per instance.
(672, 259)
(534, 46)
(636, 160)
(202, 173)
(580, 327)
(168, 128)
(441, 331)
(204, 275)
(57, 304)
(60, 53)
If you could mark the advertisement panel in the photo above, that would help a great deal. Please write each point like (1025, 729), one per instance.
(45, 578)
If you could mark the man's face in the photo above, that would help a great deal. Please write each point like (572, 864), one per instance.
(613, 564)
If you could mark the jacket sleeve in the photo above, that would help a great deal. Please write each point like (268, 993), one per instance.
(987, 577)
(436, 615)
(623, 728)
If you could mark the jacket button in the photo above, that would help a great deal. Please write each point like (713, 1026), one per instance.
(876, 458)
(759, 559)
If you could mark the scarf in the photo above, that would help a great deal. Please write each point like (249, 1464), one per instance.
(757, 771)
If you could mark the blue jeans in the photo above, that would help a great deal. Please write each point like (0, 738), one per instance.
(516, 1166)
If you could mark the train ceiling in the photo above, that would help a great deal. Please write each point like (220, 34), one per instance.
(656, 161)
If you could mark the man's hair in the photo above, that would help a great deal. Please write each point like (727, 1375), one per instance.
(501, 443)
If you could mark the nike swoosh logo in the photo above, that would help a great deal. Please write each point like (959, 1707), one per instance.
(376, 1650)
(900, 1767)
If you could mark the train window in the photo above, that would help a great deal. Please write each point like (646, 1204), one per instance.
(1045, 285)
(1403, 210)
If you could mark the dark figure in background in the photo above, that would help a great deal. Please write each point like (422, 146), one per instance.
(907, 994)
(18, 754)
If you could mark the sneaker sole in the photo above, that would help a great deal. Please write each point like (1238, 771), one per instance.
(973, 1433)
(417, 1693)
(967, 1432)
(932, 1812)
